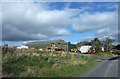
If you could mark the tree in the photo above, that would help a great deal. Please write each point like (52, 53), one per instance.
(117, 47)
(97, 45)
(83, 43)
(108, 44)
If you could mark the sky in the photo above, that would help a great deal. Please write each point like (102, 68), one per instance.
(24, 22)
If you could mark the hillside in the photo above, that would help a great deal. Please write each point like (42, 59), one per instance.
(42, 44)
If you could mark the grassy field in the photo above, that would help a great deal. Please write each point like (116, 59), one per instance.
(45, 64)
(105, 55)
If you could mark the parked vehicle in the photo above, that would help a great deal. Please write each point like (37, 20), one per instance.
(73, 50)
(85, 49)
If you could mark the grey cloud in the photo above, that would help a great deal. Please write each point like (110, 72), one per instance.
(27, 21)
(10, 34)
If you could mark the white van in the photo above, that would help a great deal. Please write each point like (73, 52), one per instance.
(84, 49)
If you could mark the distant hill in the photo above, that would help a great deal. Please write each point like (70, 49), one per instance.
(43, 44)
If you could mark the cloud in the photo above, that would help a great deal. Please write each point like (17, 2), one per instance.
(110, 32)
(31, 21)
(105, 23)
(103, 33)
(0, 21)
(37, 21)
(88, 21)
(61, 0)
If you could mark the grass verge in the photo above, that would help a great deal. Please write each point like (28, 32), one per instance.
(105, 55)
(45, 64)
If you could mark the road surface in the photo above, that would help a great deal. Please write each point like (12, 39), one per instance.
(107, 68)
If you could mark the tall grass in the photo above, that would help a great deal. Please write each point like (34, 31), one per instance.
(105, 54)
(44, 64)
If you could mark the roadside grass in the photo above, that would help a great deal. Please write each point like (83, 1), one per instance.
(45, 64)
(105, 55)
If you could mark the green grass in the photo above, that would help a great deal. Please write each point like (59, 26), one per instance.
(105, 55)
(45, 64)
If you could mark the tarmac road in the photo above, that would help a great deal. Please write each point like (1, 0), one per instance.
(107, 68)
